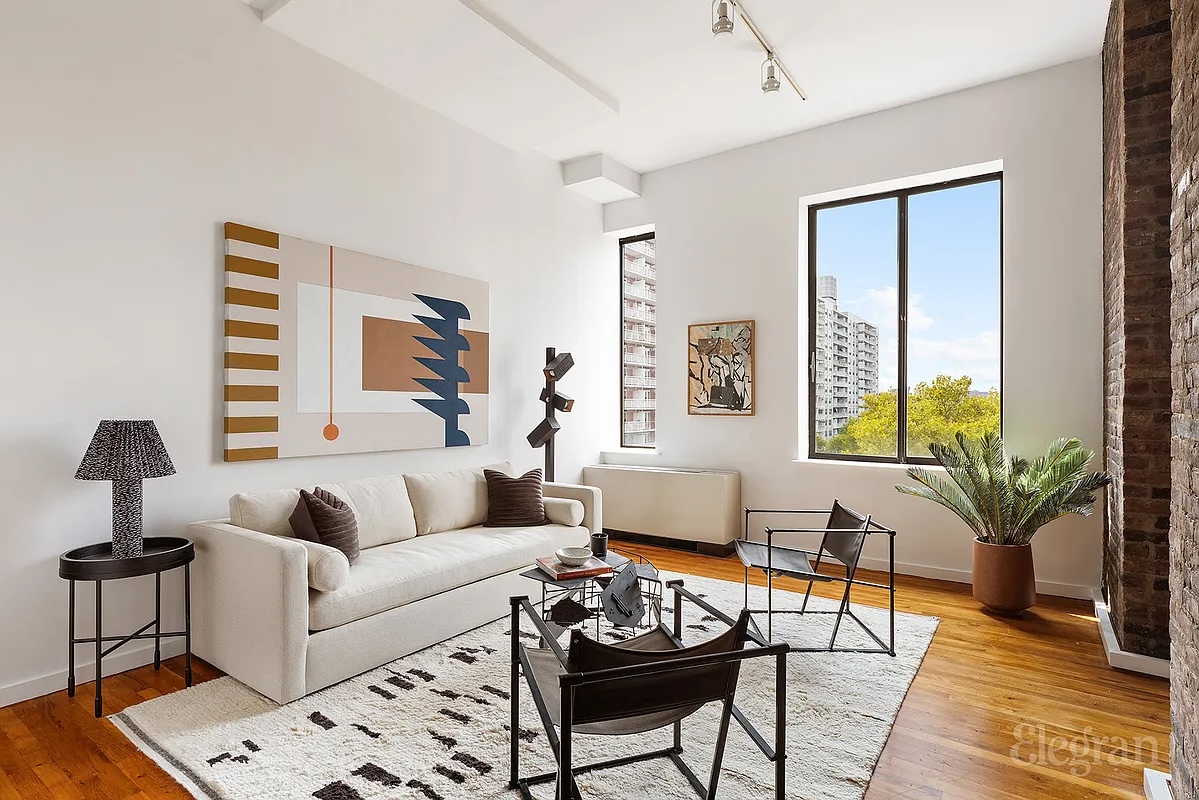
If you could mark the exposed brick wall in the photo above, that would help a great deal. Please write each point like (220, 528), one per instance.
(1184, 570)
(1136, 131)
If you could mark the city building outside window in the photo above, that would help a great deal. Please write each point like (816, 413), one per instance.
(638, 342)
(905, 309)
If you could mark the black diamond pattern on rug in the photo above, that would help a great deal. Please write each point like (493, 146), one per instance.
(497, 692)
(425, 789)
(454, 715)
(525, 735)
(479, 766)
(376, 774)
(318, 718)
(337, 791)
(401, 682)
(379, 690)
(448, 741)
(452, 774)
(367, 731)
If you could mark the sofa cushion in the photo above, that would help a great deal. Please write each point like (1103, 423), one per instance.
(561, 511)
(514, 501)
(265, 512)
(396, 574)
(445, 501)
(328, 567)
(380, 506)
(323, 517)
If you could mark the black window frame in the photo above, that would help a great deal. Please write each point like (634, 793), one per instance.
(641, 237)
(901, 197)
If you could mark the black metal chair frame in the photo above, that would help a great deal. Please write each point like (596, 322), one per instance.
(869, 527)
(570, 682)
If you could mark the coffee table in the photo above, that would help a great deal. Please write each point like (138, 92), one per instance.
(586, 592)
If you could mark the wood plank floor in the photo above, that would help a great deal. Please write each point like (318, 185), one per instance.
(1004, 709)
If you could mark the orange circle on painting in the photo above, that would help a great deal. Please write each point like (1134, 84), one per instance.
(331, 431)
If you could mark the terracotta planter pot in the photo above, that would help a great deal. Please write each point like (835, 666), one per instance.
(1004, 579)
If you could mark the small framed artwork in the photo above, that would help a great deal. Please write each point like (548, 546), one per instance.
(720, 368)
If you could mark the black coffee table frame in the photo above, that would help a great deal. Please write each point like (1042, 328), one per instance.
(588, 590)
(94, 562)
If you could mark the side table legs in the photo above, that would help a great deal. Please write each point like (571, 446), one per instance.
(187, 620)
(96, 563)
(99, 644)
(71, 647)
(157, 620)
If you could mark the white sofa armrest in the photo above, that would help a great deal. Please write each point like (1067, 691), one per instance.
(589, 496)
(250, 606)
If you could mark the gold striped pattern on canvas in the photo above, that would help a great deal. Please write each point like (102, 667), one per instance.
(251, 453)
(251, 329)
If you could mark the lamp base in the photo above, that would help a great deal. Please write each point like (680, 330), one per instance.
(126, 518)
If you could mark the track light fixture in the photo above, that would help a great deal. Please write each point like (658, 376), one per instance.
(724, 13)
(770, 75)
(774, 71)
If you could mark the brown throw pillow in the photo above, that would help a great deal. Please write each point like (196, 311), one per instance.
(324, 518)
(514, 501)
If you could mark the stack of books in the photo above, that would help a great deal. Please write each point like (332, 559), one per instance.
(591, 568)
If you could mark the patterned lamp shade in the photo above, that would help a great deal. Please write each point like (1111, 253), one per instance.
(124, 451)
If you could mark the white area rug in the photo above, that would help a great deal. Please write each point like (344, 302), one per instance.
(433, 724)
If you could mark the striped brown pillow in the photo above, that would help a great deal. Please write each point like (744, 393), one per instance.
(514, 501)
(323, 517)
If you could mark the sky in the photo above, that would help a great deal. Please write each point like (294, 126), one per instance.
(953, 277)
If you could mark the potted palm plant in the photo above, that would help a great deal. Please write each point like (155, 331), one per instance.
(1005, 501)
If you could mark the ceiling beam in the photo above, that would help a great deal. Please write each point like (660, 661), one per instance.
(506, 28)
(273, 8)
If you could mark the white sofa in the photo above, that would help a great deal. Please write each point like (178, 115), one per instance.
(288, 617)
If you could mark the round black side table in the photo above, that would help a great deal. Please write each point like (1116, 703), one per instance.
(94, 562)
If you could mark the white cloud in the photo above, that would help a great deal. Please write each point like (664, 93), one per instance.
(881, 307)
(976, 356)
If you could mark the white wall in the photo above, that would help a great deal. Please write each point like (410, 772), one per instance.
(729, 247)
(131, 130)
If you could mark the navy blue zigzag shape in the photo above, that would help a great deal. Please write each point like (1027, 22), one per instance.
(446, 345)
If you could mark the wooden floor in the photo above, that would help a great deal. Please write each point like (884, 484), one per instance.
(1000, 709)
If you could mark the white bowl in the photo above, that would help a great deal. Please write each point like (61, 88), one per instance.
(574, 556)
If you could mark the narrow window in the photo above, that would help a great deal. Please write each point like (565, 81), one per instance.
(638, 341)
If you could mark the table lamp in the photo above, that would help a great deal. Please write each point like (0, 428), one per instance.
(125, 451)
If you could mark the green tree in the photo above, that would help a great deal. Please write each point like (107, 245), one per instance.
(937, 412)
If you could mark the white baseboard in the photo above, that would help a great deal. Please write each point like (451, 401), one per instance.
(964, 576)
(1157, 785)
(1119, 658)
(126, 658)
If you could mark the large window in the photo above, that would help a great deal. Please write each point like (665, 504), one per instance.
(905, 308)
(638, 341)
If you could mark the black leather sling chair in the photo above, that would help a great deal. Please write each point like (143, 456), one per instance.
(641, 684)
(842, 539)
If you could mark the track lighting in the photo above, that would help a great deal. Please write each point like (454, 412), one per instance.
(723, 15)
(770, 75)
(774, 71)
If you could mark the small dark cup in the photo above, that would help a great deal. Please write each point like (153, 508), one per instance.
(599, 545)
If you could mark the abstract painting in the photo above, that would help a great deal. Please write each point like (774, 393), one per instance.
(332, 351)
(720, 368)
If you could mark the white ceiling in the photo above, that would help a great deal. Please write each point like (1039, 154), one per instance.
(645, 82)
